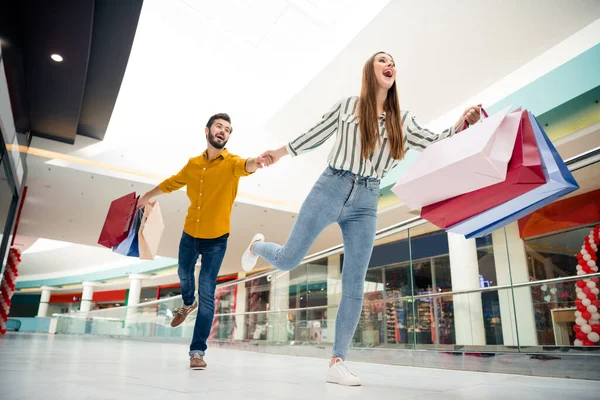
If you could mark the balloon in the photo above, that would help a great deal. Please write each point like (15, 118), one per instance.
(544, 288)
(547, 299)
(595, 316)
(581, 284)
(587, 343)
(582, 308)
(578, 342)
(586, 302)
(593, 337)
(580, 321)
(553, 290)
(577, 328)
(596, 302)
(586, 315)
(591, 284)
(582, 336)
(578, 314)
(591, 263)
(586, 328)
(596, 291)
(593, 322)
(587, 290)
(595, 328)
(596, 280)
(578, 301)
(582, 296)
(592, 309)
(591, 297)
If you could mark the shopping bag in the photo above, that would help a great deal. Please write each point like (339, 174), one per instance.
(129, 247)
(559, 182)
(524, 174)
(476, 158)
(118, 221)
(151, 229)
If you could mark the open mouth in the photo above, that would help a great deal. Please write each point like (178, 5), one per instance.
(388, 73)
(220, 137)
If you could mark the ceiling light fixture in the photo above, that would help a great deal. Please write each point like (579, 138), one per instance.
(56, 57)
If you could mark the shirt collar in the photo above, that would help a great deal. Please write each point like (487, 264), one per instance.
(223, 154)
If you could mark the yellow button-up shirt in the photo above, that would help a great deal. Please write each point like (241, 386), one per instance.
(211, 187)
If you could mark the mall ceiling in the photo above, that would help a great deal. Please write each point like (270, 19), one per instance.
(59, 100)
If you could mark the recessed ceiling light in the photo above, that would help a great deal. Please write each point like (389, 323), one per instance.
(56, 57)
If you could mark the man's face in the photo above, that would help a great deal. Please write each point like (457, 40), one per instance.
(218, 134)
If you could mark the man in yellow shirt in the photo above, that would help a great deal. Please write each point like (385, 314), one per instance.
(212, 182)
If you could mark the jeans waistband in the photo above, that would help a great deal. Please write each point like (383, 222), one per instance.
(361, 180)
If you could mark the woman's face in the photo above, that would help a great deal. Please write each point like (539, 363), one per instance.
(385, 70)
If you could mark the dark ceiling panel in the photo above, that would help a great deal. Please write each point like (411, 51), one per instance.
(115, 23)
(77, 96)
(11, 38)
(56, 89)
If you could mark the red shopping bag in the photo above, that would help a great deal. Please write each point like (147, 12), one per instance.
(524, 174)
(118, 220)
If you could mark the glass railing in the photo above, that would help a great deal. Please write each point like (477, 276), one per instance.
(524, 298)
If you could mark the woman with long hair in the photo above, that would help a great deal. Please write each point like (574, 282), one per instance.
(372, 137)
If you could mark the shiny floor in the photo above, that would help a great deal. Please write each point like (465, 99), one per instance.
(35, 366)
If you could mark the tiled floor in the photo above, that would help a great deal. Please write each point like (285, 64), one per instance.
(74, 367)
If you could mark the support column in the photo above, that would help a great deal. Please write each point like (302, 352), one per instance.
(279, 299)
(45, 300)
(468, 310)
(240, 308)
(334, 295)
(86, 296)
(513, 245)
(135, 288)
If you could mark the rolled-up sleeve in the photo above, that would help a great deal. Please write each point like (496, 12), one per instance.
(239, 167)
(318, 134)
(417, 137)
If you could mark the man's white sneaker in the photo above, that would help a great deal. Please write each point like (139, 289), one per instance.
(340, 374)
(248, 259)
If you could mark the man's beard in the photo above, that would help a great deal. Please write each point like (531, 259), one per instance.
(215, 143)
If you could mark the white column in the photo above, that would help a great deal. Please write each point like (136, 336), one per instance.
(240, 307)
(513, 245)
(44, 300)
(279, 300)
(86, 296)
(334, 295)
(468, 310)
(135, 288)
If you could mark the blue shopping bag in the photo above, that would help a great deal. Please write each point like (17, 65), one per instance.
(129, 246)
(559, 182)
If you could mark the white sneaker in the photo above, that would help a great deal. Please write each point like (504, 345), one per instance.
(340, 374)
(248, 259)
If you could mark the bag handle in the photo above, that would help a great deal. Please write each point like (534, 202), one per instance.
(483, 115)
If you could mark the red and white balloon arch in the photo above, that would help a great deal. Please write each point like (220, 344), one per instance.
(587, 322)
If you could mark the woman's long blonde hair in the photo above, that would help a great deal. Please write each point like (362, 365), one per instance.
(369, 120)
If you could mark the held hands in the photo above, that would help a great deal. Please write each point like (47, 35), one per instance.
(270, 157)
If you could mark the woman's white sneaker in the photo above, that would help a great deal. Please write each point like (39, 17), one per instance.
(248, 259)
(340, 374)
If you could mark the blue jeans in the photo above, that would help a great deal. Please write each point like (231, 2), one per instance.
(351, 201)
(212, 252)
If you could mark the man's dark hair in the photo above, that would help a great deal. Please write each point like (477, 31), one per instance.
(222, 116)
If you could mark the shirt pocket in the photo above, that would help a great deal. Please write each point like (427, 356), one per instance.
(348, 119)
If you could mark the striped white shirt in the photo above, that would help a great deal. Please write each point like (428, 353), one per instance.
(346, 153)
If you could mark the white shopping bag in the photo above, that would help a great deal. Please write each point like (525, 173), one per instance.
(469, 160)
(150, 232)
